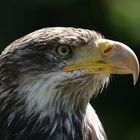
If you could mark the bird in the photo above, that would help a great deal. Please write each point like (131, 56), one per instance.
(48, 77)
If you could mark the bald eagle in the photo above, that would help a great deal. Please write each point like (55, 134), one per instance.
(48, 77)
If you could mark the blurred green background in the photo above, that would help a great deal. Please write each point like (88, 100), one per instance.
(119, 105)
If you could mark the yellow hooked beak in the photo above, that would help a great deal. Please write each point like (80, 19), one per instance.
(106, 57)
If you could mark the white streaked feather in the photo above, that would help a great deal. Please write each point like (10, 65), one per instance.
(42, 93)
(93, 123)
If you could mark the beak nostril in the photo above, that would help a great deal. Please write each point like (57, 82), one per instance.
(107, 50)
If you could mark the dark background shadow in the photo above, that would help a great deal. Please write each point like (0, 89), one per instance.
(118, 106)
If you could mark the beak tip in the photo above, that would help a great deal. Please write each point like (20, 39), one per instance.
(135, 78)
(136, 71)
(134, 82)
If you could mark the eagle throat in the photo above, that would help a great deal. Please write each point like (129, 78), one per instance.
(62, 116)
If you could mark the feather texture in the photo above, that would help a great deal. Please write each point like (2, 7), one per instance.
(39, 101)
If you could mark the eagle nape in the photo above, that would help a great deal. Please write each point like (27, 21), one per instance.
(48, 77)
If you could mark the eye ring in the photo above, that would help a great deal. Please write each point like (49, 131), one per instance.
(63, 51)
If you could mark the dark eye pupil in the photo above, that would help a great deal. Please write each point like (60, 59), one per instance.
(63, 50)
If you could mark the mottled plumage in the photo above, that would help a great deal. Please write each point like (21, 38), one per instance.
(39, 100)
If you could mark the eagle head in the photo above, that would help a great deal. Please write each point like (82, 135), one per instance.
(48, 78)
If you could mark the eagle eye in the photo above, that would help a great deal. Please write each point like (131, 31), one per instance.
(63, 51)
